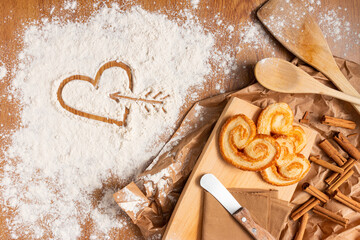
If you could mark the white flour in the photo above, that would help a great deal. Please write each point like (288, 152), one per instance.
(70, 5)
(134, 203)
(333, 24)
(195, 3)
(336, 28)
(3, 70)
(57, 159)
(252, 34)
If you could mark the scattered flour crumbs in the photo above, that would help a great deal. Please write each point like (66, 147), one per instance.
(332, 22)
(195, 3)
(57, 160)
(3, 70)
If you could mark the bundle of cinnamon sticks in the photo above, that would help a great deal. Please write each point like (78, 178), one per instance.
(341, 173)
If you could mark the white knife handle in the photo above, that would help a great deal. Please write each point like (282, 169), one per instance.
(244, 218)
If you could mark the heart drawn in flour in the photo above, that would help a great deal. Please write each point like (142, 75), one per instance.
(95, 84)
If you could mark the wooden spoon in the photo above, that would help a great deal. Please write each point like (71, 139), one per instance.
(282, 76)
(296, 30)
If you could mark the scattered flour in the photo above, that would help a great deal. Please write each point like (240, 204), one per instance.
(134, 203)
(332, 22)
(70, 5)
(158, 181)
(52, 10)
(3, 70)
(252, 35)
(334, 25)
(107, 207)
(57, 160)
(195, 3)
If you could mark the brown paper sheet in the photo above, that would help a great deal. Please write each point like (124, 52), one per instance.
(162, 182)
(267, 211)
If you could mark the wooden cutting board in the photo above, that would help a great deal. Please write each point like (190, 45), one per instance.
(185, 222)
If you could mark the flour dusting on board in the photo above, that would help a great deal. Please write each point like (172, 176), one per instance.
(57, 160)
(332, 22)
(334, 25)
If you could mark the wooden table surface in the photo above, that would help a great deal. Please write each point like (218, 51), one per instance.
(15, 14)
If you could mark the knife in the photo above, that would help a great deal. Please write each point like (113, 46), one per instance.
(211, 184)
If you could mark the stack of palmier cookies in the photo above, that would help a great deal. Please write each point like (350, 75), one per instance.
(272, 147)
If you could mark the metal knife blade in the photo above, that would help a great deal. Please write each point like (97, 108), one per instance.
(211, 184)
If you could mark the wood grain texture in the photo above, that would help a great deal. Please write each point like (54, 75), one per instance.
(15, 14)
(282, 76)
(244, 218)
(185, 224)
(302, 36)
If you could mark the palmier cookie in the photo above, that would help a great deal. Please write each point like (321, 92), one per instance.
(298, 136)
(240, 147)
(287, 147)
(289, 168)
(276, 118)
(238, 130)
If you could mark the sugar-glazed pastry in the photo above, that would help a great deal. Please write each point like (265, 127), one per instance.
(272, 176)
(276, 118)
(287, 147)
(241, 147)
(241, 131)
(289, 168)
(298, 136)
(261, 153)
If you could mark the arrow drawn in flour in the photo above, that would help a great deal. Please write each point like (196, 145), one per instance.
(156, 101)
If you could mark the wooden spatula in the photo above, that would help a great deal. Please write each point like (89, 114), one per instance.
(282, 76)
(296, 30)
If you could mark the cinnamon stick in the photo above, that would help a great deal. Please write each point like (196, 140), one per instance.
(304, 208)
(347, 201)
(305, 121)
(335, 176)
(326, 164)
(304, 118)
(338, 122)
(331, 151)
(315, 192)
(331, 216)
(301, 231)
(351, 135)
(305, 115)
(347, 146)
(338, 182)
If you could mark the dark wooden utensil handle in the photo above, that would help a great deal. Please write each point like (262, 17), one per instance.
(244, 218)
